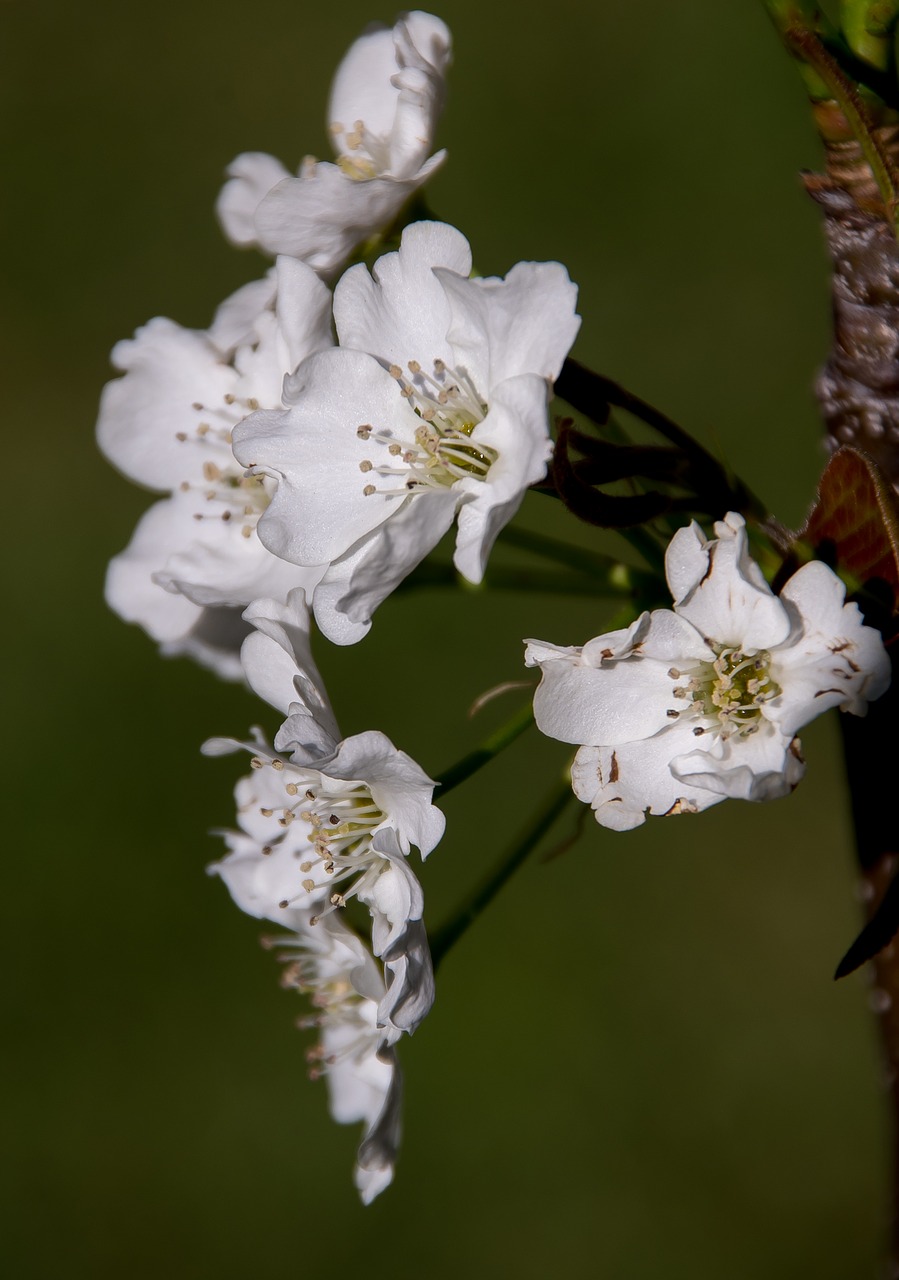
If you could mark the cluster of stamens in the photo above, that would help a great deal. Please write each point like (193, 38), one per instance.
(440, 451)
(730, 691)
(335, 1002)
(239, 497)
(340, 822)
(368, 154)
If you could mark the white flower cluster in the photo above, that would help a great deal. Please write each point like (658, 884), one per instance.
(323, 821)
(687, 707)
(311, 449)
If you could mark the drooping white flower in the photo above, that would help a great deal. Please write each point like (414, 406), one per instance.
(330, 964)
(435, 406)
(386, 99)
(683, 709)
(334, 820)
(195, 560)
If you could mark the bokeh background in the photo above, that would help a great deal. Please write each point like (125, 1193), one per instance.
(638, 1064)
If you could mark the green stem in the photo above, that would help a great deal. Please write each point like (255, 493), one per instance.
(609, 576)
(787, 16)
(490, 747)
(435, 574)
(552, 808)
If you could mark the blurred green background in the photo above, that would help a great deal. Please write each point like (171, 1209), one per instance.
(638, 1064)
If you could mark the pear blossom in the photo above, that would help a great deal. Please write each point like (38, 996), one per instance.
(329, 963)
(195, 561)
(434, 407)
(688, 706)
(386, 99)
(333, 820)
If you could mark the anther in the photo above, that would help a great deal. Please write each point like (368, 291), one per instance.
(365, 465)
(181, 435)
(369, 490)
(363, 432)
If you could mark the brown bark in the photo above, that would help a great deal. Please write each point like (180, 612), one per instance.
(858, 393)
(858, 388)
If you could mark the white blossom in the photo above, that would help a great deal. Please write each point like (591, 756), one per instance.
(386, 99)
(434, 407)
(195, 561)
(329, 963)
(683, 709)
(334, 819)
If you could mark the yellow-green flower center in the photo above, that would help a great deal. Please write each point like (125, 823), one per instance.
(732, 690)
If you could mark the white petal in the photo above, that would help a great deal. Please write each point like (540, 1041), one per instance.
(252, 175)
(720, 590)
(214, 564)
(131, 589)
(762, 766)
(626, 782)
(323, 215)
(622, 702)
(359, 581)
(517, 426)
(278, 661)
(399, 938)
(423, 49)
(400, 787)
(304, 311)
(320, 508)
(378, 1149)
(523, 324)
(259, 883)
(619, 688)
(361, 89)
(400, 312)
(234, 323)
(167, 370)
(832, 660)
